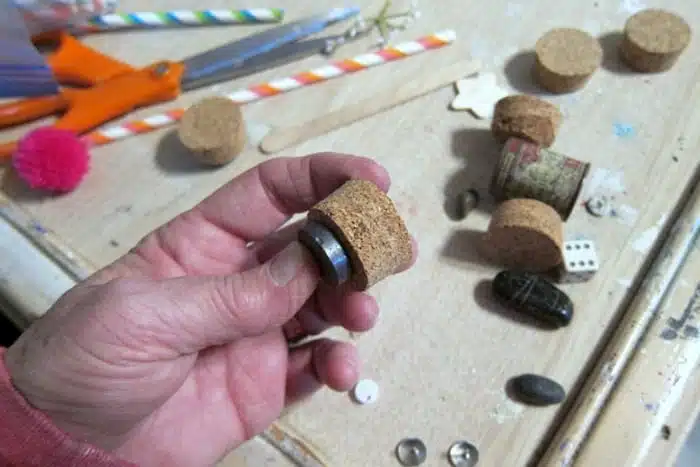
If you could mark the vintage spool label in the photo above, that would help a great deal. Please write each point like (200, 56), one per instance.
(527, 170)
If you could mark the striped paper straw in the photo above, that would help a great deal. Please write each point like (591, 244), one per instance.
(152, 19)
(282, 85)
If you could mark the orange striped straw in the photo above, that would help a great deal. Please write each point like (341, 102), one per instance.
(282, 85)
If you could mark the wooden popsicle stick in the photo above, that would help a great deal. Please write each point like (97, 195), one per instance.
(282, 138)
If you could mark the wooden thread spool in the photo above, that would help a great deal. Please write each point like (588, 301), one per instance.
(365, 221)
(527, 170)
(525, 235)
(653, 40)
(214, 130)
(566, 58)
(526, 117)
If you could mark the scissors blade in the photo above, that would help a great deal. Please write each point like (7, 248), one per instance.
(234, 54)
(280, 56)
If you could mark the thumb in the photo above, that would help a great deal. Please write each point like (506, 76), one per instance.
(215, 310)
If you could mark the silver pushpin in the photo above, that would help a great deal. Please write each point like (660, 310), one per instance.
(411, 452)
(463, 454)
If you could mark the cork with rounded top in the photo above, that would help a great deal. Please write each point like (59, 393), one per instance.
(525, 235)
(365, 221)
(565, 59)
(653, 40)
(526, 117)
(214, 130)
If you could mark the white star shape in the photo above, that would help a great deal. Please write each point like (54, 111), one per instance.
(478, 94)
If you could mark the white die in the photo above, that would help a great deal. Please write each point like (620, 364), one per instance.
(580, 261)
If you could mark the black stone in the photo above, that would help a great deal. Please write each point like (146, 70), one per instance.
(533, 296)
(537, 390)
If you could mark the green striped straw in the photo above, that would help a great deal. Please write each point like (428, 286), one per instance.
(155, 19)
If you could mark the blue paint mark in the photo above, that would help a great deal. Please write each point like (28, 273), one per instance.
(623, 130)
(39, 228)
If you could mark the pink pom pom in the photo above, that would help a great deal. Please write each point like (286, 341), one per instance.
(51, 159)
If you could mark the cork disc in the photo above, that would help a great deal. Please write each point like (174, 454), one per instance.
(653, 40)
(566, 59)
(364, 219)
(526, 117)
(214, 130)
(526, 235)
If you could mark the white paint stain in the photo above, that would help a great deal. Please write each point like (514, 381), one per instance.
(626, 214)
(631, 6)
(592, 27)
(514, 9)
(625, 282)
(506, 410)
(646, 240)
(604, 182)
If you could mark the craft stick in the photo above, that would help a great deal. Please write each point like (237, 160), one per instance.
(282, 85)
(48, 242)
(154, 19)
(430, 80)
(668, 265)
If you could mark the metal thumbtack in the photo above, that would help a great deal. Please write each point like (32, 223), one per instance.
(411, 452)
(463, 454)
(467, 201)
(328, 252)
(597, 206)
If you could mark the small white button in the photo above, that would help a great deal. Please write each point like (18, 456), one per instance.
(366, 391)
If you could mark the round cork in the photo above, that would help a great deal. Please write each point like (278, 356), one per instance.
(365, 221)
(526, 117)
(214, 130)
(565, 59)
(525, 235)
(653, 40)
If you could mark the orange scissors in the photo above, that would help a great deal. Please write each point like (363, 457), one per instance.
(115, 88)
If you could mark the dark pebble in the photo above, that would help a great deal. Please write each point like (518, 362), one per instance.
(537, 390)
(533, 296)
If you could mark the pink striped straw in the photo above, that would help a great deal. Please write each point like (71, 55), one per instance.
(279, 86)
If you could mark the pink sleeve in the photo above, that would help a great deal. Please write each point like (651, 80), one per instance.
(28, 438)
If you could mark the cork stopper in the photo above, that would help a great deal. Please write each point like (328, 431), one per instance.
(653, 40)
(214, 130)
(526, 117)
(526, 235)
(566, 58)
(365, 221)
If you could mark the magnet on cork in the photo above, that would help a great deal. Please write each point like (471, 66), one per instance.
(366, 223)
(653, 40)
(525, 235)
(527, 117)
(566, 59)
(214, 131)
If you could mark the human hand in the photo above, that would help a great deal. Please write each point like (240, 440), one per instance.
(176, 353)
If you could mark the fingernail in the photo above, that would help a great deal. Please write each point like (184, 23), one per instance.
(285, 266)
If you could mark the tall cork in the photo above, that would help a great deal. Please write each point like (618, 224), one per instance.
(565, 59)
(214, 130)
(365, 221)
(526, 117)
(653, 40)
(525, 235)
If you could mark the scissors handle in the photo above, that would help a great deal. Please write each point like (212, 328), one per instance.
(77, 64)
(89, 108)
(26, 110)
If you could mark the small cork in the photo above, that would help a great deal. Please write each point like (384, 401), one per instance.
(365, 221)
(653, 40)
(214, 130)
(526, 117)
(566, 58)
(525, 235)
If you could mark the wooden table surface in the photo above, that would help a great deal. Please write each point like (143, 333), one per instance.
(442, 350)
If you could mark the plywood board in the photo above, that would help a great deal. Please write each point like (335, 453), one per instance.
(443, 350)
